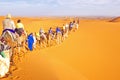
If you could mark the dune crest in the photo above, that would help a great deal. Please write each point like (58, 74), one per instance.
(117, 19)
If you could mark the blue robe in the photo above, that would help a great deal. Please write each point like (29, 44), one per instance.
(57, 30)
(30, 42)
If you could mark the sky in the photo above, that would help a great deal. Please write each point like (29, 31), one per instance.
(60, 7)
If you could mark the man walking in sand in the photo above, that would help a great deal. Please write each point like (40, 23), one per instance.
(30, 41)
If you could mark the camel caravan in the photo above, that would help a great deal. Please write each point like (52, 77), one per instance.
(14, 37)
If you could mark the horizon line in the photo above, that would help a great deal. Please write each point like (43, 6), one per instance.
(61, 16)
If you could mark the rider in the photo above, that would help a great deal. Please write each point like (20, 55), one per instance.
(70, 26)
(63, 27)
(8, 25)
(50, 31)
(66, 28)
(19, 28)
(41, 31)
(37, 35)
(76, 26)
(58, 30)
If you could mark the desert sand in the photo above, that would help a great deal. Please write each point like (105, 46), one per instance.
(90, 53)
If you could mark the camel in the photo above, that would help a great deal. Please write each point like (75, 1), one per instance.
(58, 37)
(50, 37)
(64, 33)
(43, 40)
(14, 41)
(21, 41)
(75, 27)
(10, 40)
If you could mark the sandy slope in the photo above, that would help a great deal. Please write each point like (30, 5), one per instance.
(116, 19)
(91, 53)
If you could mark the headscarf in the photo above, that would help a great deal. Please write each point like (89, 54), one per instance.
(8, 16)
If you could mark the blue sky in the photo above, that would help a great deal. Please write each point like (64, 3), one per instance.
(60, 7)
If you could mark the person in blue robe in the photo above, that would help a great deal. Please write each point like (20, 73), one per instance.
(30, 41)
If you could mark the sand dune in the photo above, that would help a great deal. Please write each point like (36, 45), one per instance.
(91, 53)
(117, 19)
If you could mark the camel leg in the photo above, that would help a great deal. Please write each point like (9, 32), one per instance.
(44, 45)
(12, 56)
(57, 40)
(63, 38)
(44, 42)
(18, 49)
(48, 42)
(60, 39)
(39, 41)
(24, 46)
(40, 44)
